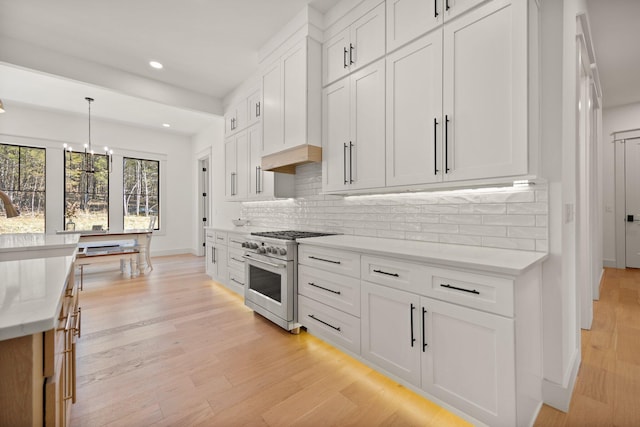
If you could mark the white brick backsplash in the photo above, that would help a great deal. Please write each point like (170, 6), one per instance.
(513, 218)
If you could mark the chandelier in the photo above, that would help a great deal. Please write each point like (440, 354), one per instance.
(87, 164)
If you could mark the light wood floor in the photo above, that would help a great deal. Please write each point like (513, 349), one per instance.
(174, 348)
(607, 391)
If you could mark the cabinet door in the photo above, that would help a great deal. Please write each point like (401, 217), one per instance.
(242, 166)
(453, 8)
(230, 168)
(272, 109)
(229, 119)
(469, 360)
(335, 135)
(367, 38)
(391, 330)
(366, 156)
(240, 109)
(335, 57)
(485, 92)
(255, 162)
(414, 102)
(209, 267)
(254, 106)
(409, 19)
(294, 96)
(219, 263)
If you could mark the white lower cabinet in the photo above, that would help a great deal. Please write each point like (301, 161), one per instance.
(466, 338)
(390, 330)
(467, 360)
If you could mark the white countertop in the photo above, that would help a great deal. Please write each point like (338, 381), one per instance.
(31, 292)
(503, 261)
(245, 229)
(36, 245)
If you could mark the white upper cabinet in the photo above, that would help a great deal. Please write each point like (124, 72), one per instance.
(265, 185)
(353, 131)
(235, 118)
(236, 162)
(291, 98)
(409, 19)
(254, 106)
(354, 47)
(414, 105)
(485, 92)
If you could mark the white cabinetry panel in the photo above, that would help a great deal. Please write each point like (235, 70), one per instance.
(414, 105)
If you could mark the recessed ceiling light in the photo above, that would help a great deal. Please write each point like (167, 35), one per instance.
(167, 125)
(156, 65)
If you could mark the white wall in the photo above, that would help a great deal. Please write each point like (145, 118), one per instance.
(27, 126)
(212, 140)
(613, 119)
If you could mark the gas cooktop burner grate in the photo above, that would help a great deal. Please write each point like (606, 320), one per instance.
(289, 234)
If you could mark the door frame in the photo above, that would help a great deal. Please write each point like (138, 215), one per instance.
(204, 186)
(619, 139)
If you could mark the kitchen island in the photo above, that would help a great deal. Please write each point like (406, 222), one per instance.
(39, 322)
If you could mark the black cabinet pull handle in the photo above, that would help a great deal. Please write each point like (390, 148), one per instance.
(236, 259)
(435, 146)
(325, 260)
(260, 178)
(351, 61)
(258, 109)
(447, 5)
(435, 8)
(213, 255)
(424, 339)
(446, 144)
(324, 289)
(337, 328)
(344, 58)
(388, 274)
(413, 339)
(471, 291)
(344, 163)
(238, 282)
(350, 162)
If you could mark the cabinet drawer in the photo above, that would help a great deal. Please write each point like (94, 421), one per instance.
(210, 235)
(335, 260)
(221, 237)
(396, 274)
(235, 240)
(334, 290)
(235, 259)
(488, 293)
(329, 324)
(236, 277)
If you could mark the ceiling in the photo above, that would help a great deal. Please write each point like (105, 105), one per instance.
(616, 37)
(54, 53)
(207, 47)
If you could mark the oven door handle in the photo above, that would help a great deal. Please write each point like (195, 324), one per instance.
(247, 257)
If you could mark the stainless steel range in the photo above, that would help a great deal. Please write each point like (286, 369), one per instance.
(271, 269)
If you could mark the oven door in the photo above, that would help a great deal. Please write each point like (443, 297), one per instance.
(269, 286)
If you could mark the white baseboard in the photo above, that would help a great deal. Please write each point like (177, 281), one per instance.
(611, 263)
(558, 395)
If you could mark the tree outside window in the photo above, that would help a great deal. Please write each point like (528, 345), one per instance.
(141, 193)
(86, 196)
(22, 178)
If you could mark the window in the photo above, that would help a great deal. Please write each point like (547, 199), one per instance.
(22, 178)
(86, 194)
(141, 193)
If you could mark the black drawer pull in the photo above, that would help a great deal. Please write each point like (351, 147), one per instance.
(238, 260)
(324, 289)
(325, 260)
(237, 281)
(413, 307)
(471, 291)
(388, 274)
(337, 328)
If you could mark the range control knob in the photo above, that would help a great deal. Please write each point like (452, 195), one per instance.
(261, 250)
(283, 251)
(253, 245)
(245, 244)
